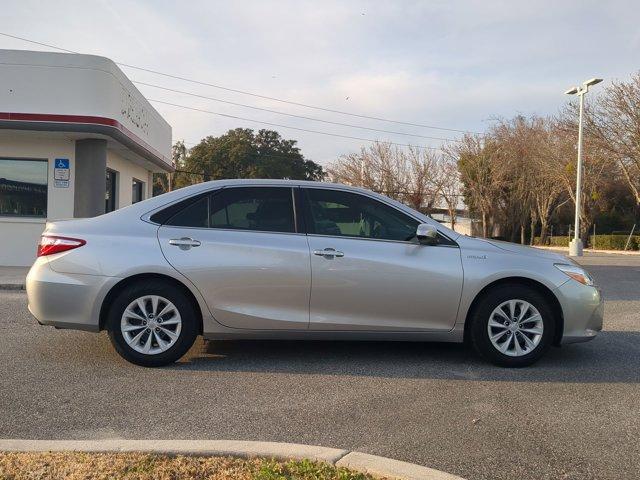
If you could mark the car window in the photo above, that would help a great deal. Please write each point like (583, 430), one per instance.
(333, 212)
(195, 215)
(268, 209)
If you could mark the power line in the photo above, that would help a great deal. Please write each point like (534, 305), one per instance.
(38, 43)
(243, 92)
(319, 132)
(294, 115)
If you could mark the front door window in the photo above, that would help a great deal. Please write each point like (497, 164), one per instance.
(345, 214)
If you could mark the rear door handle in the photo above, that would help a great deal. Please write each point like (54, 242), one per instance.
(184, 243)
(328, 252)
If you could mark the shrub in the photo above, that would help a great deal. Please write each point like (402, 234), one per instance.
(555, 241)
(614, 242)
(602, 242)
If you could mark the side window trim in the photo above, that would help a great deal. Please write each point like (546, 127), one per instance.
(302, 224)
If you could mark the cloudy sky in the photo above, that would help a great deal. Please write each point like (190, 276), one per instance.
(450, 64)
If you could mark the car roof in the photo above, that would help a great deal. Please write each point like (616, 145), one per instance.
(204, 186)
(275, 181)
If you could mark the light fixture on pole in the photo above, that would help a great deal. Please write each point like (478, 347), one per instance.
(575, 246)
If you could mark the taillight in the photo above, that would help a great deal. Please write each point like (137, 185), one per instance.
(49, 244)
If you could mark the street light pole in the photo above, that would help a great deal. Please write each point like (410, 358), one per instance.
(575, 246)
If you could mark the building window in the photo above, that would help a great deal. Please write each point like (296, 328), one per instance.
(110, 196)
(23, 187)
(137, 193)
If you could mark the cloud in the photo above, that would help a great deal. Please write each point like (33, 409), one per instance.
(450, 63)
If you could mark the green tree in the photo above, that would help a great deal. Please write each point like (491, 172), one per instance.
(162, 182)
(243, 153)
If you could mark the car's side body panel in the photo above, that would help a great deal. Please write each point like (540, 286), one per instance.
(484, 263)
(250, 280)
(66, 300)
(114, 251)
(384, 285)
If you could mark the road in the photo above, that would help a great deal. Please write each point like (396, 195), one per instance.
(575, 414)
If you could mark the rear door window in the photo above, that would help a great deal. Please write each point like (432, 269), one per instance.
(266, 209)
(195, 215)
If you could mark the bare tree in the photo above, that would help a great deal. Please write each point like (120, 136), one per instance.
(384, 168)
(422, 189)
(380, 167)
(549, 194)
(518, 175)
(478, 174)
(614, 121)
(447, 183)
(514, 166)
(599, 170)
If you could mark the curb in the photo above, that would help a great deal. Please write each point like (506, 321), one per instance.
(12, 286)
(356, 461)
(589, 250)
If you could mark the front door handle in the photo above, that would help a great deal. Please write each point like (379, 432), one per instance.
(328, 252)
(184, 243)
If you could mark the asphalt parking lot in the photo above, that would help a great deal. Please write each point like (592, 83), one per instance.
(576, 414)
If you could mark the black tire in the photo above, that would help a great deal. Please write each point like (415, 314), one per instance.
(478, 329)
(186, 336)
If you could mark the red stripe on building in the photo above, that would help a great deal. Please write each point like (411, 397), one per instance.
(83, 120)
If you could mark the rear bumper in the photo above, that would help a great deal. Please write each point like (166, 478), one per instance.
(66, 300)
(583, 310)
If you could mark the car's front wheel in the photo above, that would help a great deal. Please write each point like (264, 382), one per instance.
(512, 326)
(151, 323)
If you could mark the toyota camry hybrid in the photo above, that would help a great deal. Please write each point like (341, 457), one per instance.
(280, 259)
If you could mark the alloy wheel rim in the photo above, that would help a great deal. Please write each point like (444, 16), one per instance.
(515, 328)
(151, 324)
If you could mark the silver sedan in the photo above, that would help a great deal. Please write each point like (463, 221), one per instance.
(273, 259)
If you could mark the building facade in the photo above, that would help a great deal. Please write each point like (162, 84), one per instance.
(77, 139)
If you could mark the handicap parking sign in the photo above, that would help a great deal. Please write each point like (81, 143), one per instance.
(62, 163)
(61, 174)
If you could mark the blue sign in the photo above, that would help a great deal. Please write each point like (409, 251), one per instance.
(62, 163)
(61, 173)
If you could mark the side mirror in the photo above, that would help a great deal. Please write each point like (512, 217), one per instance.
(427, 234)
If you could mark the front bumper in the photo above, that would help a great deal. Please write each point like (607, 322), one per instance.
(66, 300)
(583, 311)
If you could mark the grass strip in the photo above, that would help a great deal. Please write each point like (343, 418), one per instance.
(141, 466)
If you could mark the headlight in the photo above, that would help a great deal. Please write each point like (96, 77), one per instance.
(575, 272)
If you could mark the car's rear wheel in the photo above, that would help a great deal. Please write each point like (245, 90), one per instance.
(512, 326)
(152, 323)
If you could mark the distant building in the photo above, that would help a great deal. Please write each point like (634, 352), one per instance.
(462, 224)
(77, 139)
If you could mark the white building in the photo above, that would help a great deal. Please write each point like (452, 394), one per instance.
(77, 139)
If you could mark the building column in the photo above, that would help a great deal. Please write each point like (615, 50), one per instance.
(91, 169)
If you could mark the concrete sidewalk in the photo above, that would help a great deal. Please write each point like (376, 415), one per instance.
(13, 278)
